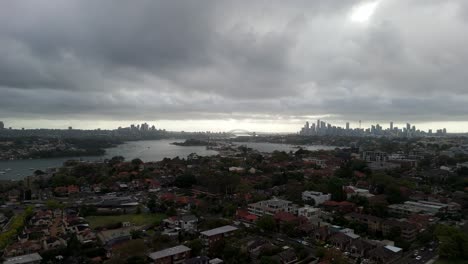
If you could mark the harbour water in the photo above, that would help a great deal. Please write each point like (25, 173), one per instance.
(148, 150)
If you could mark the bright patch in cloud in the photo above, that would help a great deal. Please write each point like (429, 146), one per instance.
(363, 12)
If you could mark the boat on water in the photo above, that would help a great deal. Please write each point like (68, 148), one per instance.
(8, 169)
(31, 168)
(2, 172)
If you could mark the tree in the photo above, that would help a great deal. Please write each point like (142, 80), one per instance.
(27, 194)
(73, 246)
(394, 194)
(137, 162)
(116, 160)
(335, 188)
(279, 156)
(279, 179)
(267, 223)
(320, 253)
(136, 260)
(289, 229)
(171, 211)
(229, 210)
(38, 172)
(136, 234)
(359, 200)
(234, 254)
(151, 205)
(395, 233)
(268, 260)
(453, 242)
(185, 181)
(379, 209)
(54, 204)
(334, 256)
(197, 246)
(294, 191)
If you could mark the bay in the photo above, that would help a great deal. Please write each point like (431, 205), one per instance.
(270, 147)
(146, 150)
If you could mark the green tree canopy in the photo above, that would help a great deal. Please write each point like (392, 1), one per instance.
(267, 223)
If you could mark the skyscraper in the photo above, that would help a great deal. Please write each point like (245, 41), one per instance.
(391, 125)
(347, 125)
(2, 126)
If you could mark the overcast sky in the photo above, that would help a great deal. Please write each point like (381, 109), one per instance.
(220, 65)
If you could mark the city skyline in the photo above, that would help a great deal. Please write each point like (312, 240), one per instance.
(160, 125)
(257, 66)
(321, 127)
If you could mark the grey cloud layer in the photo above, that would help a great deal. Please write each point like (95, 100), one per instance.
(218, 59)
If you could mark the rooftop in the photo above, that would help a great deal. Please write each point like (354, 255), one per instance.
(168, 252)
(23, 259)
(393, 249)
(219, 230)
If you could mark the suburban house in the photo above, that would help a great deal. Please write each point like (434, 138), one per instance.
(174, 255)
(213, 235)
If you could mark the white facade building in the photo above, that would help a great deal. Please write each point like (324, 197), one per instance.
(318, 197)
(271, 207)
(311, 213)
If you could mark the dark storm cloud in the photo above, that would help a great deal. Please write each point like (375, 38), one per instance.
(218, 59)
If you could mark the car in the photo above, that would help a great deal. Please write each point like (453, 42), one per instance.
(431, 249)
(418, 258)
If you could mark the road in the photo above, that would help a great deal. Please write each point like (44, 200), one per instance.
(409, 258)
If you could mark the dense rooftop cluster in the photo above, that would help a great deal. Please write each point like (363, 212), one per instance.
(377, 201)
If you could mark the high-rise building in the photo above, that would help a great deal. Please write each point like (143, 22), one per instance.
(347, 125)
(307, 125)
(391, 125)
(408, 126)
(2, 126)
(318, 124)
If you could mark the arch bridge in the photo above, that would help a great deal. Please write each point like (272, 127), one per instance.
(241, 132)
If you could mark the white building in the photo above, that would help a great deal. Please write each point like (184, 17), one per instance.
(374, 156)
(188, 223)
(352, 191)
(317, 197)
(419, 207)
(236, 169)
(311, 213)
(271, 207)
(319, 162)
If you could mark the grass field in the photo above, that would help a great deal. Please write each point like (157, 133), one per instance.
(135, 219)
